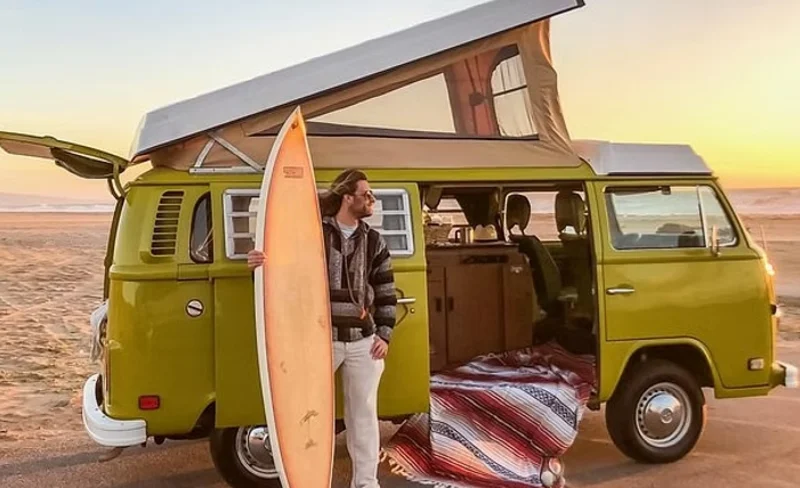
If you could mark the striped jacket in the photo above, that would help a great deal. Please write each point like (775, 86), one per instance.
(363, 300)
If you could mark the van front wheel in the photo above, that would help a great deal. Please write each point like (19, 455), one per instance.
(657, 413)
(243, 457)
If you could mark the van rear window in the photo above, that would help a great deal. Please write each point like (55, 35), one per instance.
(202, 238)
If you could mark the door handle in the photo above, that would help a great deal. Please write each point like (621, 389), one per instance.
(620, 290)
(406, 301)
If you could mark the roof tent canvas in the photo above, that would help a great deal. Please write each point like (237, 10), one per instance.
(474, 89)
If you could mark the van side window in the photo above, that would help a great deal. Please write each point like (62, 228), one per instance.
(392, 218)
(240, 222)
(661, 217)
(715, 215)
(202, 240)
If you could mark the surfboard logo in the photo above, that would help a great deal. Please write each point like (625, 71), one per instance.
(292, 171)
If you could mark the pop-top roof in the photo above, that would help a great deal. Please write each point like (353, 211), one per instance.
(614, 158)
(291, 85)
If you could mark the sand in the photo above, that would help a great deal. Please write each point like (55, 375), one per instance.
(51, 278)
(782, 234)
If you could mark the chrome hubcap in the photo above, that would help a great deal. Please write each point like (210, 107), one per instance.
(663, 415)
(254, 451)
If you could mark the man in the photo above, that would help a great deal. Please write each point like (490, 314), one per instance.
(363, 302)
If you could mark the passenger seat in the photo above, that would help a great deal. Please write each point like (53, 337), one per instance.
(571, 223)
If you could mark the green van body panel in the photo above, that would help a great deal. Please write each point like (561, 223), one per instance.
(153, 346)
(719, 305)
(619, 354)
(404, 386)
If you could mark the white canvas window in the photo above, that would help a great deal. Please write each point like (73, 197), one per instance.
(512, 105)
(392, 218)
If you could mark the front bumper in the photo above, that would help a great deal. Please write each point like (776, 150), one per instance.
(785, 374)
(103, 429)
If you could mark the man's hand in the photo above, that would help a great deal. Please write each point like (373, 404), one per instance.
(255, 259)
(379, 349)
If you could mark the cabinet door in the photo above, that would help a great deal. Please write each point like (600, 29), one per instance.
(437, 321)
(474, 310)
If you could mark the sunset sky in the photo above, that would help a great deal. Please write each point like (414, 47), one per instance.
(722, 75)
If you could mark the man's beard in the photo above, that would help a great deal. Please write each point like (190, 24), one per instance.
(363, 212)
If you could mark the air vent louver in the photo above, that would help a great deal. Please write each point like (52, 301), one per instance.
(165, 230)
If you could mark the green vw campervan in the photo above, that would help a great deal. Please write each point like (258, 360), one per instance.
(502, 230)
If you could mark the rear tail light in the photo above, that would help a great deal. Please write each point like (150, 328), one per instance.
(149, 402)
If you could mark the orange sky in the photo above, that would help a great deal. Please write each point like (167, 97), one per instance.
(720, 75)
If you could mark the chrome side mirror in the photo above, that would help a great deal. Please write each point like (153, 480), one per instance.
(715, 240)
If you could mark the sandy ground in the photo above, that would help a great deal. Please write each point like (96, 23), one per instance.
(780, 238)
(750, 442)
(51, 278)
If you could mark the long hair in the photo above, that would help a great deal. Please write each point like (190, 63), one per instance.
(344, 184)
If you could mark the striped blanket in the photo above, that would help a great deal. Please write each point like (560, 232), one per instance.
(500, 420)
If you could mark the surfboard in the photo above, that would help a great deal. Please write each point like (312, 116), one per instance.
(293, 317)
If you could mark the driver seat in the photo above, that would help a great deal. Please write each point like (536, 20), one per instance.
(546, 275)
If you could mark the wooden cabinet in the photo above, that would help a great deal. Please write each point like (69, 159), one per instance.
(474, 310)
(480, 299)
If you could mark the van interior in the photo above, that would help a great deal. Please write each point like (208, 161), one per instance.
(508, 268)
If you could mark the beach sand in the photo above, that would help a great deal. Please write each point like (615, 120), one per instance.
(51, 278)
(782, 236)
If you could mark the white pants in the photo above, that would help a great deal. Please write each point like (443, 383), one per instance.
(361, 375)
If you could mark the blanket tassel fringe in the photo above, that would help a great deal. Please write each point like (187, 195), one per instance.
(398, 470)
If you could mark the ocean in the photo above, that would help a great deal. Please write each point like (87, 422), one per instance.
(778, 201)
(57, 208)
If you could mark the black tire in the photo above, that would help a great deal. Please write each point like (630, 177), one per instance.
(230, 464)
(656, 383)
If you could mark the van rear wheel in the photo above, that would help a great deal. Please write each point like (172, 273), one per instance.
(243, 457)
(657, 413)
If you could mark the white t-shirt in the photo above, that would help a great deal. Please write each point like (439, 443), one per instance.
(347, 230)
